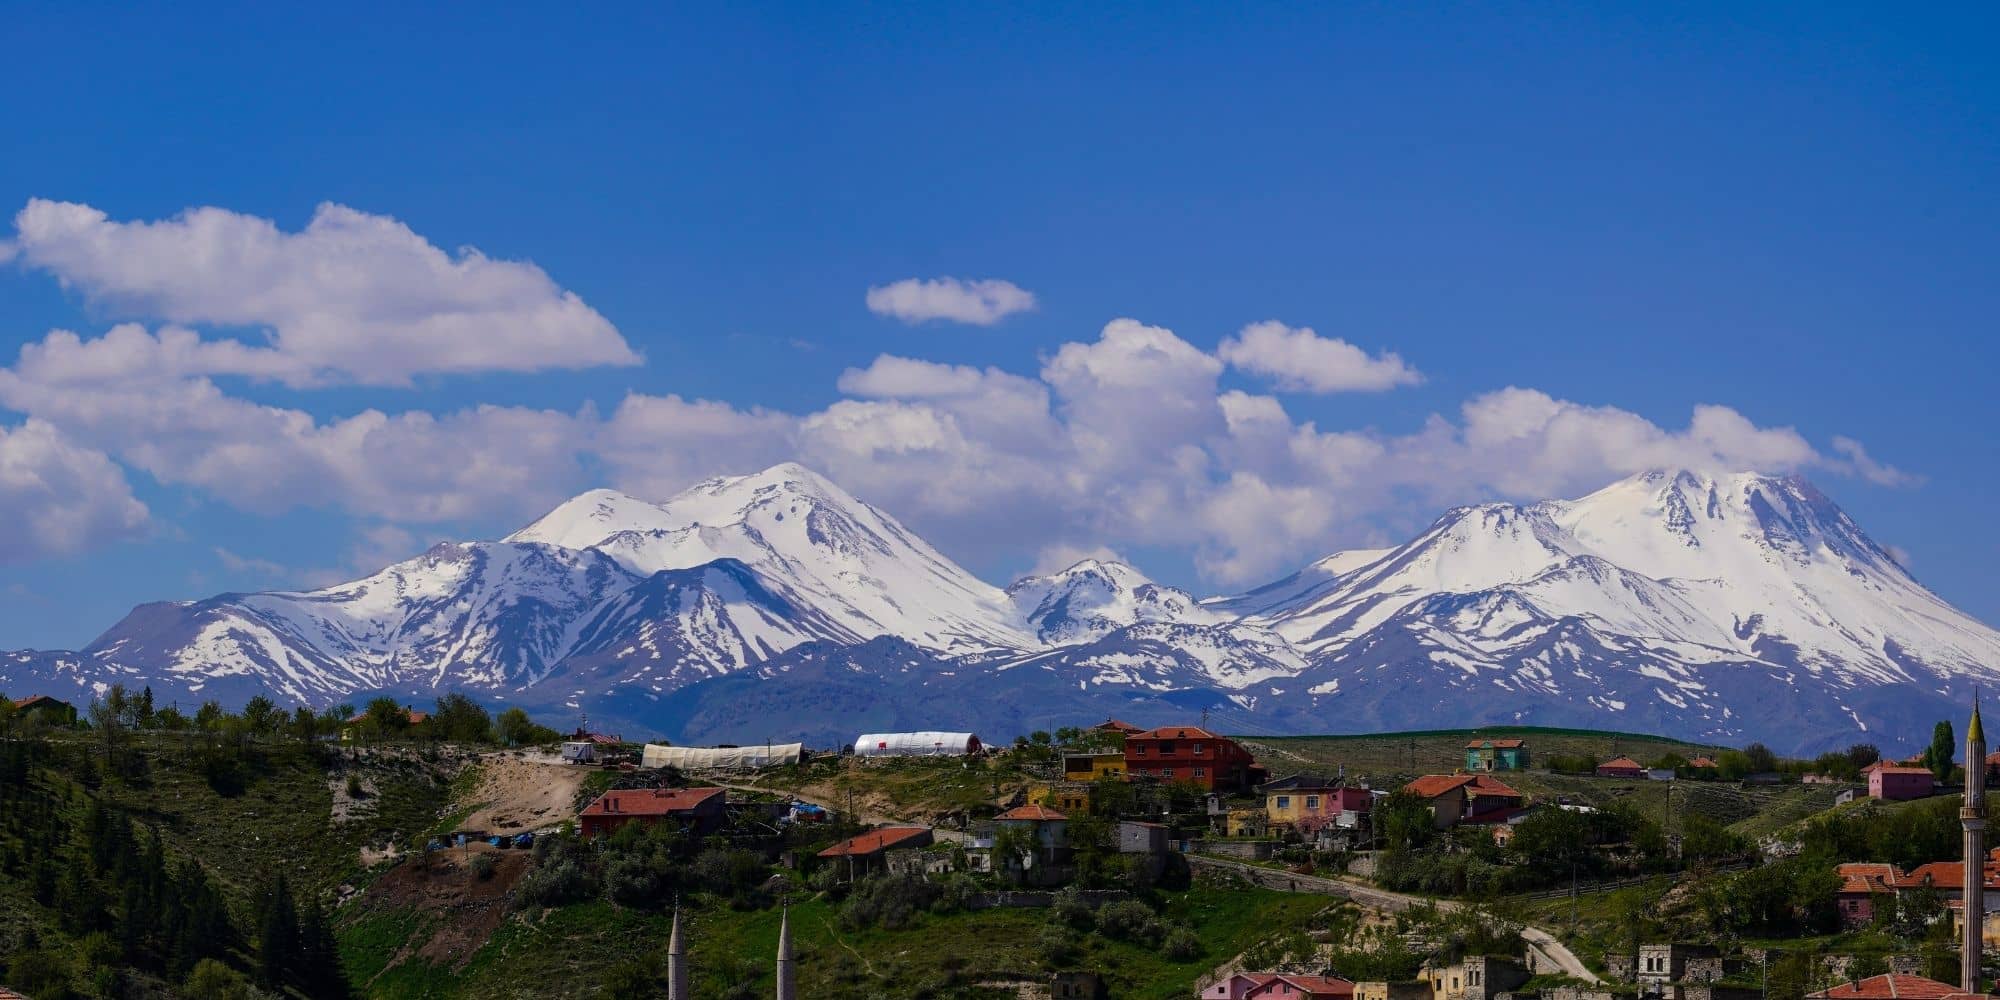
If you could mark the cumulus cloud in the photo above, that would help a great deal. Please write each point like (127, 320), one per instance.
(1861, 464)
(1123, 439)
(353, 297)
(979, 303)
(1299, 360)
(57, 496)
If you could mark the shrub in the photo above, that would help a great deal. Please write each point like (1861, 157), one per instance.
(354, 789)
(1128, 920)
(1181, 944)
(564, 881)
(890, 902)
(482, 866)
(1059, 944)
(1070, 910)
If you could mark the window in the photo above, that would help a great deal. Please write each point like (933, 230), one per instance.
(1312, 802)
(1166, 748)
(1284, 802)
(1139, 749)
(1199, 750)
(1166, 772)
(1201, 772)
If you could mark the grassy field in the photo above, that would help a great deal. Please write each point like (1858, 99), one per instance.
(563, 952)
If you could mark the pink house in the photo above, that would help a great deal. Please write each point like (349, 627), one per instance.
(1897, 784)
(1277, 986)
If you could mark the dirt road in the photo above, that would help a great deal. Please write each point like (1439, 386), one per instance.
(1541, 944)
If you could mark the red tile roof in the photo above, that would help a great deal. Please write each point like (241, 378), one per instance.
(1889, 986)
(1867, 877)
(1118, 726)
(649, 801)
(1946, 875)
(1177, 733)
(1495, 744)
(416, 718)
(1703, 762)
(1899, 769)
(1039, 813)
(37, 699)
(1431, 786)
(1483, 785)
(1622, 763)
(874, 840)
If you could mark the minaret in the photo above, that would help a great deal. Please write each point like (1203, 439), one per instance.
(787, 990)
(1972, 815)
(677, 968)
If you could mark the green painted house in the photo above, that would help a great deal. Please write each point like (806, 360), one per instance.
(1496, 755)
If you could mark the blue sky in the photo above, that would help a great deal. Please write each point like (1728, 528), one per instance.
(1787, 212)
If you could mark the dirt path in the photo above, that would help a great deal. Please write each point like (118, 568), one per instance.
(518, 794)
(1541, 943)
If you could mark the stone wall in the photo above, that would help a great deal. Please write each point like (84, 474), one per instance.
(1246, 850)
(1028, 899)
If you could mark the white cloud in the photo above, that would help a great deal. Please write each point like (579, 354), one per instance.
(58, 497)
(1124, 439)
(1299, 360)
(1862, 464)
(353, 297)
(980, 303)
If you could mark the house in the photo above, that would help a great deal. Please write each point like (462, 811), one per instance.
(351, 729)
(1621, 767)
(1064, 796)
(1262, 985)
(1496, 755)
(869, 852)
(1191, 755)
(1049, 827)
(1380, 990)
(1860, 884)
(1116, 726)
(1947, 880)
(1661, 964)
(53, 711)
(1306, 803)
(1477, 977)
(1703, 764)
(1135, 837)
(1076, 986)
(1989, 924)
(1285, 986)
(1890, 986)
(697, 810)
(1457, 798)
(1993, 769)
(1245, 823)
(1897, 783)
(1093, 766)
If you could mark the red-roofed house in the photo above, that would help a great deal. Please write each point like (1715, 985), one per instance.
(1457, 798)
(1890, 986)
(1118, 726)
(1277, 986)
(1190, 754)
(1860, 883)
(54, 711)
(1621, 767)
(698, 810)
(1897, 783)
(869, 851)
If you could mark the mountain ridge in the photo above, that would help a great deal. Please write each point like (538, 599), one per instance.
(1719, 606)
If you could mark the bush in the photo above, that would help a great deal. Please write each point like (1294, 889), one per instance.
(564, 881)
(1059, 944)
(890, 902)
(354, 789)
(1128, 920)
(1070, 910)
(482, 866)
(1182, 944)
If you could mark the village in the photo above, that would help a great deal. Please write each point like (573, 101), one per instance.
(1457, 882)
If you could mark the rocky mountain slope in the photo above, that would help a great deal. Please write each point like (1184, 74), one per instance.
(1714, 607)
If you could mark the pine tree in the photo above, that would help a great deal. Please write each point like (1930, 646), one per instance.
(277, 947)
(1938, 756)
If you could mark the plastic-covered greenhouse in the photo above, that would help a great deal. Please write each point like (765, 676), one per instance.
(916, 745)
(721, 758)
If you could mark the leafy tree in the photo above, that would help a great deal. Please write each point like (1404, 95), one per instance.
(209, 717)
(461, 720)
(385, 717)
(1761, 758)
(1863, 754)
(1405, 821)
(260, 715)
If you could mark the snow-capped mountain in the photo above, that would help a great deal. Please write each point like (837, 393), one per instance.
(1723, 607)
(1096, 597)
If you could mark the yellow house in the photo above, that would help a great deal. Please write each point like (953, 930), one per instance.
(1245, 823)
(1068, 797)
(1093, 766)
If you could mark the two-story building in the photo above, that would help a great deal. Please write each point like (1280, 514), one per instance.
(1190, 755)
(1307, 803)
(1093, 766)
(1460, 798)
(1897, 783)
(1496, 755)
